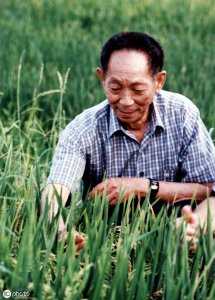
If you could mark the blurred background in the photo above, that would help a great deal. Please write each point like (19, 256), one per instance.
(62, 34)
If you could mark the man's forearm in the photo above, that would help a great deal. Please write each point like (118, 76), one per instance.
(176, 191)
(49, 194)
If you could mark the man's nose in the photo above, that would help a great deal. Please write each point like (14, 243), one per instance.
(126, 100)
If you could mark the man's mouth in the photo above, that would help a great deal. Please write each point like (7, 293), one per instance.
(126, 112)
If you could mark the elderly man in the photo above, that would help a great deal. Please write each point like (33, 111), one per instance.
(141, 138)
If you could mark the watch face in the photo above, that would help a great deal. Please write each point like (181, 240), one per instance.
(154, 187)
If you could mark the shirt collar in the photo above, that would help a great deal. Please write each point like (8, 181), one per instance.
(156, 122)
(156, 119)
(114, 123)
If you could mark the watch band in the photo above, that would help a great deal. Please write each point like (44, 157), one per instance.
(154, 188)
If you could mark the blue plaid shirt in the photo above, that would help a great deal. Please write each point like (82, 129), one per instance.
(176, 146)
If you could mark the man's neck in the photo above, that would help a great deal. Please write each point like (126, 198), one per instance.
(138, 129)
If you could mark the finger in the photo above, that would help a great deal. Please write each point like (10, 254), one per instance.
(112, 195)
(189, 215)
(178, 222)
(79, 239)
(59, 237)
(116, 196)
(80, 244)
(194, 220)
(93, 193)
(186, 212)
(191, 231)
(193, 247)
(89, 195)
(192, 239)
(99, 188)
(193, 242)
(113, 202)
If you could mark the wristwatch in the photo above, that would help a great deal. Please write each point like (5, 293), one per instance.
(154, 188)
(212, 193)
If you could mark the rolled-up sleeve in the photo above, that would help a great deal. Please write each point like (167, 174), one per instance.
(198, 153)
(68, 163)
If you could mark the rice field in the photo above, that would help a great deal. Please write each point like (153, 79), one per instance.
(49, 53)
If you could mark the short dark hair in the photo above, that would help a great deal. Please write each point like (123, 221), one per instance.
(138, 41)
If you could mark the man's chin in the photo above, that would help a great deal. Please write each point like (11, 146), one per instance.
(127, 117)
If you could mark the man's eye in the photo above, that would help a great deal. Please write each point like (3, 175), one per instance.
(114, 89)
(138, 91)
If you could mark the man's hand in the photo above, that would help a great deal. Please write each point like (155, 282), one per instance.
(120, 186)
(191, 226)
(80, 239)
(196, 218)
(49, 194)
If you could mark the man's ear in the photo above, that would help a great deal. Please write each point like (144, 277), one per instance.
(160, 80)
(101, 75)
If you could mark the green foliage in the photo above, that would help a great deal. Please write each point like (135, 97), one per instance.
(64, 34)
(49, 53)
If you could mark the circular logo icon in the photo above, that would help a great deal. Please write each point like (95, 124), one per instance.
(6, 293)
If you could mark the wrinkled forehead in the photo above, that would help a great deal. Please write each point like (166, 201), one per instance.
(124, 63)
(129, 55)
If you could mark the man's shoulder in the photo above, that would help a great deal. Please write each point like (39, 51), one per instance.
(89, 119)
(174, 102)
(95, 112)
(176, 110)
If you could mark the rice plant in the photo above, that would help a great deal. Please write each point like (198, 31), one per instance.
(141, 256)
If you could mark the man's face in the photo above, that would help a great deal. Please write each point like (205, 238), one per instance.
(129, 86)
